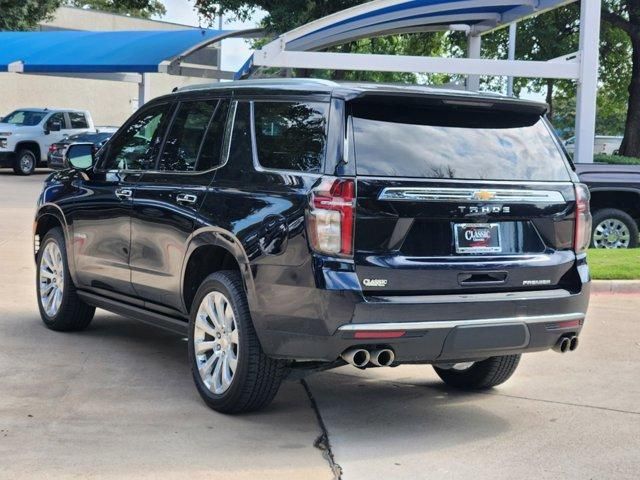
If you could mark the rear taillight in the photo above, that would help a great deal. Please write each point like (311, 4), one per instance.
(52, 148)
(582, 236)
(331, 215)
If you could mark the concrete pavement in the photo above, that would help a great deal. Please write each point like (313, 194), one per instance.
(117, 401)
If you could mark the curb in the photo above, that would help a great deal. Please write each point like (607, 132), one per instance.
(615, 286)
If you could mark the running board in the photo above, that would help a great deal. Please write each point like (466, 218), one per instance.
(137, 313)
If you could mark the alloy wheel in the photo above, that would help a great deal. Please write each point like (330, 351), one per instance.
(51, 279)
(216, 342)
(611, 233)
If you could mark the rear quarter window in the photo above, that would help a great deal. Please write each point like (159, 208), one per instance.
(78, 120)
(290, 135)
(453, 142)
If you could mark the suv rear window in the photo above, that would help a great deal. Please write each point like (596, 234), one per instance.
(456, 142)
(290, 135)
(78, 120)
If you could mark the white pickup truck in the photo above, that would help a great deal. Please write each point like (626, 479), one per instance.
(26, 135)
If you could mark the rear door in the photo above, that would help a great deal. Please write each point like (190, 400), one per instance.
(458, 195)
(168, 198)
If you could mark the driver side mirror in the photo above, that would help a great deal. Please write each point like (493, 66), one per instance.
(80, 156)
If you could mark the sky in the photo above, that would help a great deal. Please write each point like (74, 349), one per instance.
(234, 51)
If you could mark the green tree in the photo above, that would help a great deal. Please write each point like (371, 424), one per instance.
(284, 15)
(134, 8)
(26, 14)
(624, 15)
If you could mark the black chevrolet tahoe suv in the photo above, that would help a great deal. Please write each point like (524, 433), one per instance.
(289, 226)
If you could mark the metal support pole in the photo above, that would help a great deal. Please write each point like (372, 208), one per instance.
(144, 89)
(513, 27)
(473, 81)
(587, 81)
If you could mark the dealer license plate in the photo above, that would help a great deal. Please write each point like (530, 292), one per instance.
(477, 237)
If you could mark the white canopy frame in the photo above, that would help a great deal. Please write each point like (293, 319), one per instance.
(299, 48)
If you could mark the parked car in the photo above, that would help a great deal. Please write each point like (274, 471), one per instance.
(26, 135)
(615, 203)
(602, 145)
(293, 225)
(55, 157)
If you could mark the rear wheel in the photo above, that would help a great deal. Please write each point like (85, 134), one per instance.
(60, 307)
(479, 375)
(25, 162)
(230, 370)
(613, 228)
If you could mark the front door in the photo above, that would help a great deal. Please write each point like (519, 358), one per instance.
(167, 200)
(101, 224)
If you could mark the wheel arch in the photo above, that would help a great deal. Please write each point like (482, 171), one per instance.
(50, 216)
(30, 145)
(208, 252)
(627, 200)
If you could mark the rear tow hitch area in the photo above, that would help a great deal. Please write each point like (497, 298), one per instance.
(566, 343)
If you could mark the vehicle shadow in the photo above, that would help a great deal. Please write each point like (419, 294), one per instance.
(412, 412)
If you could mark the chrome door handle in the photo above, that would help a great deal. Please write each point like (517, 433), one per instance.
(187, 198)
(124, 193)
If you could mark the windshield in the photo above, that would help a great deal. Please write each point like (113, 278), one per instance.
(454, 142)
(25, 118)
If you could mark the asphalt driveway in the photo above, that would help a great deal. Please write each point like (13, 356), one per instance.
(117, 401)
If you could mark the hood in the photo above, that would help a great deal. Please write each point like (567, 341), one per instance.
(12, 128)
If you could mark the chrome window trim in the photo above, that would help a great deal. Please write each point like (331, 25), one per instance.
(448, 194)
(229, 122)
(254, 143)
(431, 325)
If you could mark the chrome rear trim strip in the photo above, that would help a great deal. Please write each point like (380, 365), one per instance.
(429, 194)
(352, 327)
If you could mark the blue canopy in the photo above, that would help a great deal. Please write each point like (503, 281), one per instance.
(99, 52)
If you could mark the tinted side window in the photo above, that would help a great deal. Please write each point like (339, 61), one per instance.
(136, 147)
(57, 117)
(78, 120)
(185, 136)
(290, 135)
(211, 150)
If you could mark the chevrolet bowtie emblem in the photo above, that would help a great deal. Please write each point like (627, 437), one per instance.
(483, 195)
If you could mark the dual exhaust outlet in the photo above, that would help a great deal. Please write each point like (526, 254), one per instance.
(360, 357)
(566, 344)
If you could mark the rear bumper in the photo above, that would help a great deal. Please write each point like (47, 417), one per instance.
(6, 159)
(55, 162)
(424, 328)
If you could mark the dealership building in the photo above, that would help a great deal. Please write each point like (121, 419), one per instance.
(110, 102)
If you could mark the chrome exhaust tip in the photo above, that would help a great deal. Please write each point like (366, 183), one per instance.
(562, 345)
(358, 357)
(383, 357)
(573, 343)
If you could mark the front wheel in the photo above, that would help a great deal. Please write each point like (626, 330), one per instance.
(479, 375)
(230, 370)
(60, 306)
(25, 162)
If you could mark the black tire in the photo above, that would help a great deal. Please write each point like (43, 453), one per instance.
(19, 168)
(600, 216)
(73, 314)
(257, 377)
(481, 375)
